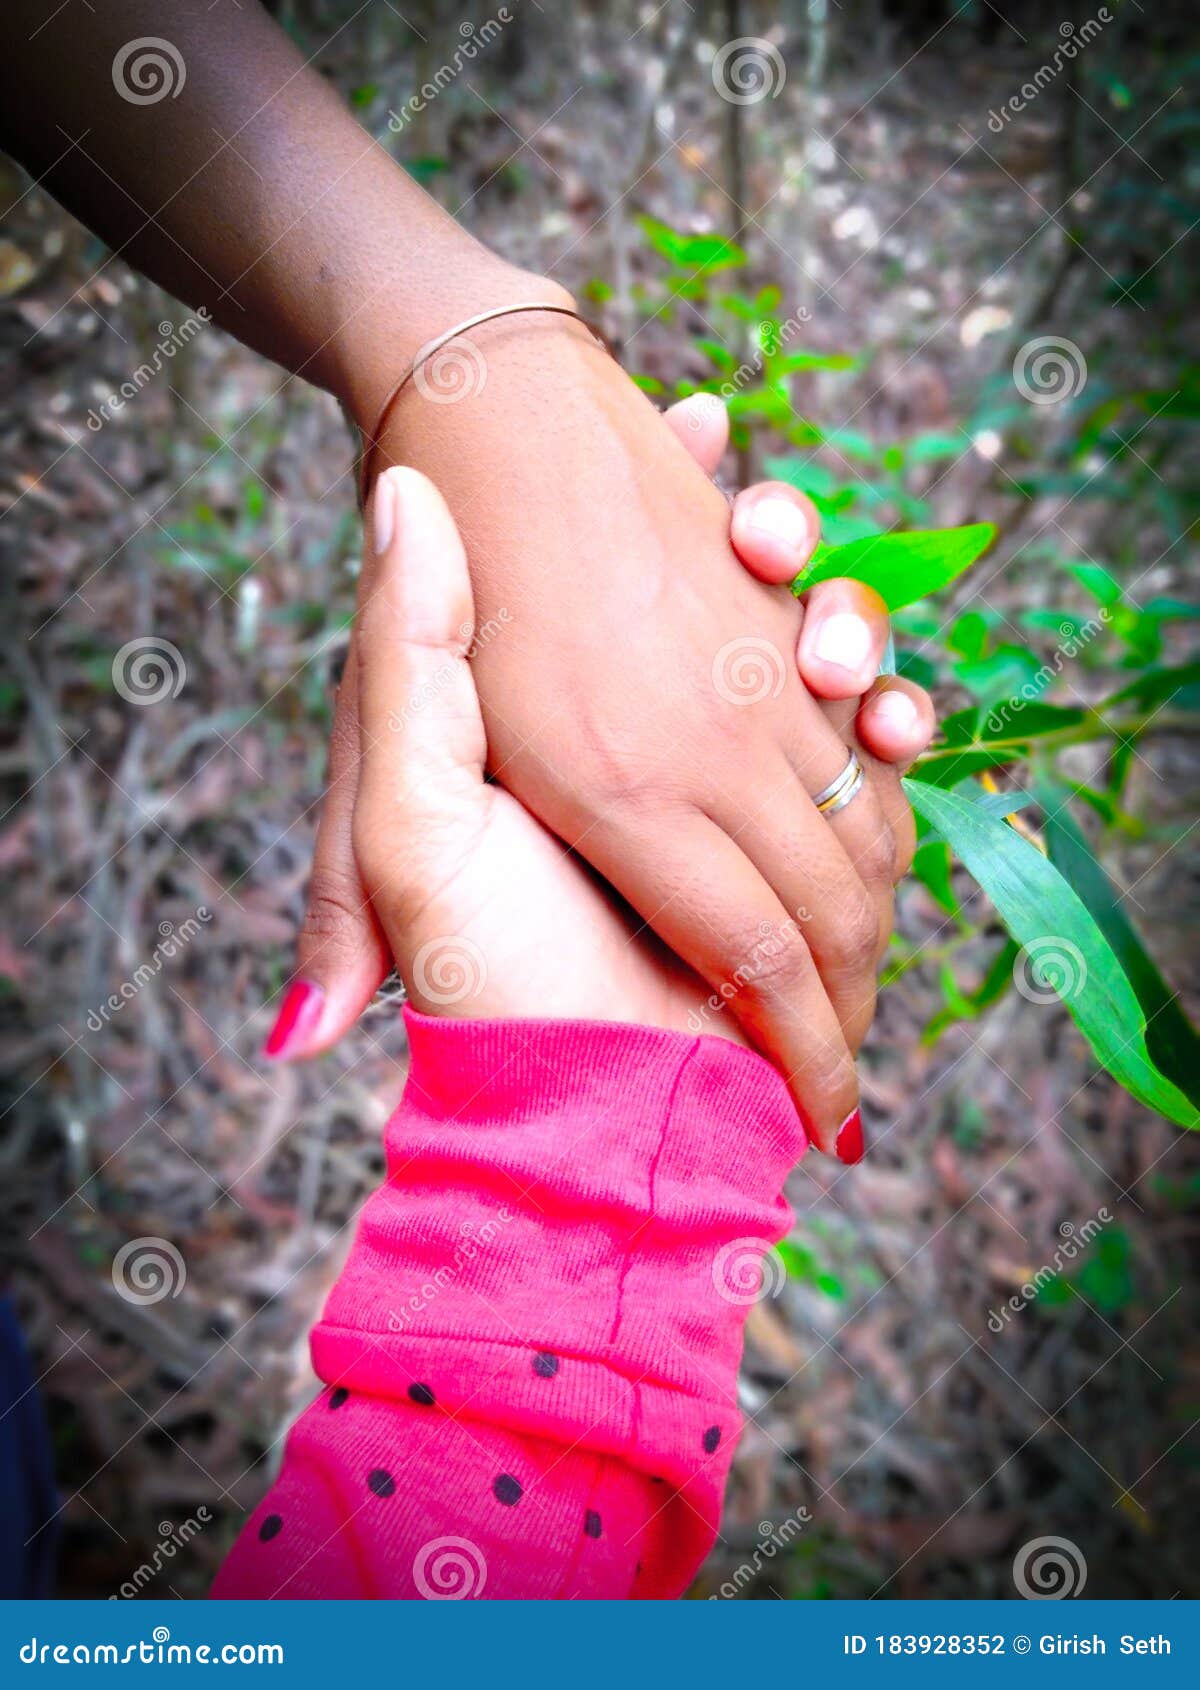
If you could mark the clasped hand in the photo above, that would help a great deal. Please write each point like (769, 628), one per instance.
(485, 911)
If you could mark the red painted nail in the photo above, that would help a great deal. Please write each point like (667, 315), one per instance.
(297, 1019)
(849, 1145)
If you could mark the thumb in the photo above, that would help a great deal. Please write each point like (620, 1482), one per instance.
(341, 954)
(421, 796)
(701, 424)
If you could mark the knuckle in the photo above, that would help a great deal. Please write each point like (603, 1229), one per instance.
(855, 943)
(776, 961)
(874, 855)
(618, 775)
(335, 907)
(827, 1074)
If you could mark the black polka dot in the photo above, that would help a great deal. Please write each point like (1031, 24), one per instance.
(271, 1527)
(380, 1481)
(338, 1397)
(712, 1438)
(591, 1523)
(507, 1490)
(421, 1394)
(545, 1364)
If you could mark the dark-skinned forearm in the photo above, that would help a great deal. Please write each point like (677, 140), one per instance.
(251, 192)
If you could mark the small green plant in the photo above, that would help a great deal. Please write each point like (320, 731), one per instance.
(1103, 1277)
(1062, 929)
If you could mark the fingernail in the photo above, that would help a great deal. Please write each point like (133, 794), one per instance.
(385, 513)
(849, 1143)
(844, 640)
(783, 521)
(297, 1020)
(897, 709)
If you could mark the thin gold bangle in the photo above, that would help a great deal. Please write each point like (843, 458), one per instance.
(370, 441)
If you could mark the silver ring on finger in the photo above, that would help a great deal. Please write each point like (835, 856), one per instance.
(843, 790)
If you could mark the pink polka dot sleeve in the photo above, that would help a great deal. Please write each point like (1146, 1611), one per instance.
(531, 1356)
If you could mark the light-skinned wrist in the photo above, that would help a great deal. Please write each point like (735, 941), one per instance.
(383, 340)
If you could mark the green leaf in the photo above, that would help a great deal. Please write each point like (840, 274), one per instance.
(745, 310)
(962, 727)
(1179, 686)
(720, 355)
(969, 635)
(1171, 610)
(998, 804)
(1103, 1277)
(998, 978)
(851, 444)
(1103, 587)
(1010, 672)
(916, 668)
(933, 448)
(1170, 1037)
(423, 170)
(968, 1006)
(1045, 916)
(1023, 722)
(954, 1008)
(788, 363)
(902, 567)
(1003, 803)
(1106, 1277)
(708, 253)
(809, 476)
(931, 866)
(969, 745)
(801, 1263)
(951, 768)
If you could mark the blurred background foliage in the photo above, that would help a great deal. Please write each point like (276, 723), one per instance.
(984, 1335)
